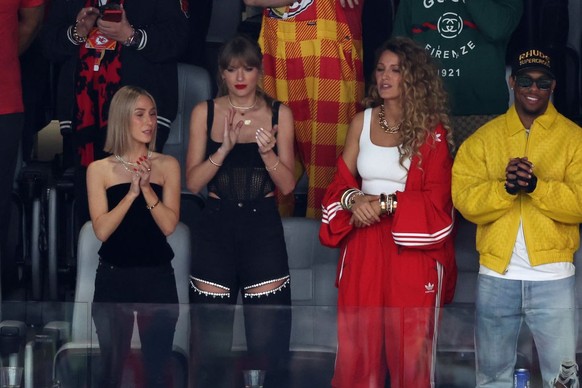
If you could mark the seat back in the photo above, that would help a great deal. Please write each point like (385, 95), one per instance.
(467, 259)
(313, 293)
(312, 268)
(457, 319)
(193, 87)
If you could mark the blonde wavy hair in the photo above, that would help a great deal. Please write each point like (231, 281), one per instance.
(424, 100)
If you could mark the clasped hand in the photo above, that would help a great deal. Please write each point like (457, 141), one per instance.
(141, 177)
(519, 176)
(365, 210)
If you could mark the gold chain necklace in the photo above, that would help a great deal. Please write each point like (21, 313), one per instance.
(384, 124)
(242, 109)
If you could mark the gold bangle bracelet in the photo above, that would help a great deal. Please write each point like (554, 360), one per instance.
(383, 200)
(213, 162)
(150, 207)
(274, 168)
(392, 203)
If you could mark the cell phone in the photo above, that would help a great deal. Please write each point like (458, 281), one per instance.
(111, 15)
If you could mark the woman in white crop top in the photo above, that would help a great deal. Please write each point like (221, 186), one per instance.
(390, 210)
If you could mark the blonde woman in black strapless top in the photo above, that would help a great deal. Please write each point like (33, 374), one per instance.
(134, 203)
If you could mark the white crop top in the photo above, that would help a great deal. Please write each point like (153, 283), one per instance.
(378, 166)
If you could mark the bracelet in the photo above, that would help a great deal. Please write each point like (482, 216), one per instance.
(213, 162)
(383, 200)
(352, 198)
(349, 198)
(392, 203)
(134, 39)
(274, 168)
(130, 39)
(78, 38)
(343, 199)
(346, 199)
(150, 207)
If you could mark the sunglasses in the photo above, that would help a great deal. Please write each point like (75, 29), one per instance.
(526, 82)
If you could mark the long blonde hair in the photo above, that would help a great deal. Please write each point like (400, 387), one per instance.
(119, 119)
(424, 100)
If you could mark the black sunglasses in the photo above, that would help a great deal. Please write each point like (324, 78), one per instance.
(524, 81)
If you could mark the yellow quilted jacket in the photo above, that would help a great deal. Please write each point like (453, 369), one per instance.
(551, 214)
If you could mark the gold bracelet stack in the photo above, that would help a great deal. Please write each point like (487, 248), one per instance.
(349, 198)
(392, 203)
(383, 200)
(388, 203)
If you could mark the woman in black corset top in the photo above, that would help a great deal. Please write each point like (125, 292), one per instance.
(134, 202)
(241, 149)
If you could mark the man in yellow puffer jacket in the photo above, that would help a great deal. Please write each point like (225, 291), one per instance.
(519, 178)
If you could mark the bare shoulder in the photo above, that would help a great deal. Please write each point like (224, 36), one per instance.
(285, 110)
(163, 160)
(101, 171)
(285, 117)
(165, 163)
(359, 118)
(99, 167)
(201, 107)
(356, 125)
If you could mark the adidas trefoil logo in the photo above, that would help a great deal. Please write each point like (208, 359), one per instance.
(429, 287)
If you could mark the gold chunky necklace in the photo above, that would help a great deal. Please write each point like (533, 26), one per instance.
(384, 124)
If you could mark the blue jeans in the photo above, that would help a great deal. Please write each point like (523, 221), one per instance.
(548, 308)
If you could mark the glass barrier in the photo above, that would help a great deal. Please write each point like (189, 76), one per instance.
(58, 346)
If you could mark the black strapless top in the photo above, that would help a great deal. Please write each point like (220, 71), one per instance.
(137, 241)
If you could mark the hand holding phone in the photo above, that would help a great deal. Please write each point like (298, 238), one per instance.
(111, 15)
